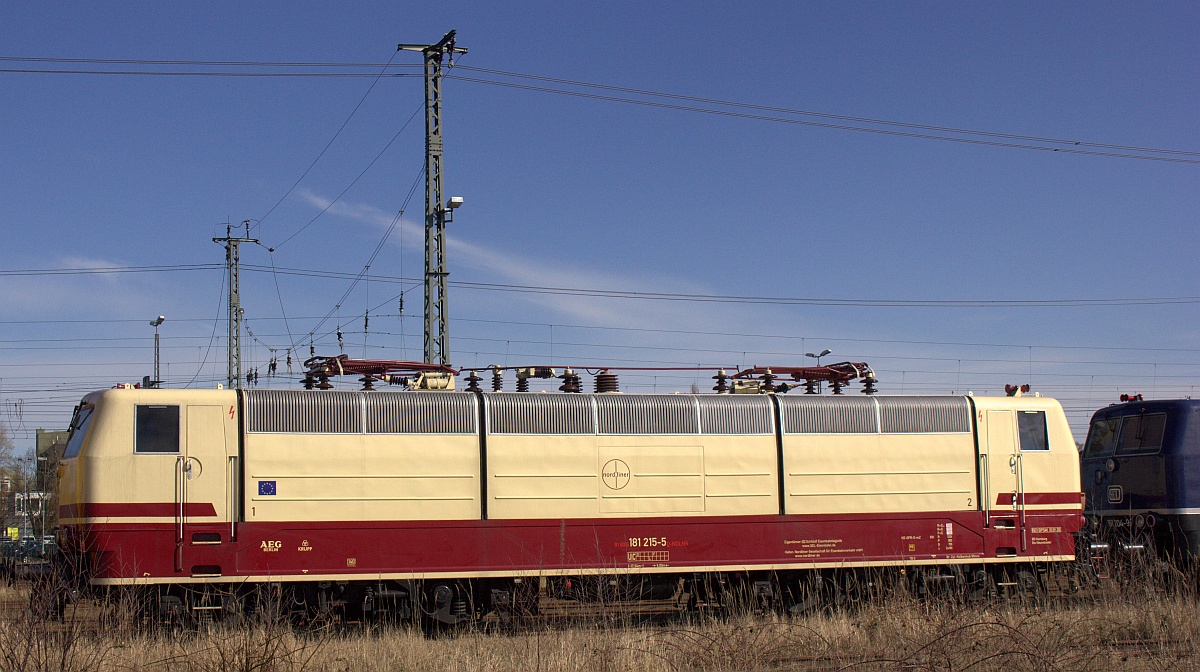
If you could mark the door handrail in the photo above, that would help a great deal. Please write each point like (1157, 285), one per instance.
(233, 495)
(1021, 496)
(986, 496)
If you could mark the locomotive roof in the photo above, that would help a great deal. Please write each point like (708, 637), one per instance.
(1147, 406)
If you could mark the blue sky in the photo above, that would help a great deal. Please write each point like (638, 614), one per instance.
(130, 171)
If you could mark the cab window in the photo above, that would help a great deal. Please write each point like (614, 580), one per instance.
(157, 429)
(79, 428)
(1142, 434)
(1102, 437)
(1031, 425)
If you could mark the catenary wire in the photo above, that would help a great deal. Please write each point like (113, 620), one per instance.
(1069, 146)
(328, 144)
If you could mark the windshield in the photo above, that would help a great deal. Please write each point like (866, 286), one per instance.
(1102, 439)
(79, 427)
(1142, 434)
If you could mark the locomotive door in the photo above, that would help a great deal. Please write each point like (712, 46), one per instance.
(1001, 476)
(202, 490)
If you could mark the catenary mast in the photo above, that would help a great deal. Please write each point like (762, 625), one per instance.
(437, 213)
(234, 376)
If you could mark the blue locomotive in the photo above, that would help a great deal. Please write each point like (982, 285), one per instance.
(1140, 471)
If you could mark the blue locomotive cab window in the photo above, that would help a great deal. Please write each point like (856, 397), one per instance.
(157, 429)
(1142, 434)
(79, 428)
(1102, 437)
(1032, 427)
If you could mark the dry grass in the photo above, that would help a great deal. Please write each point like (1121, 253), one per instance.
(1138, 627)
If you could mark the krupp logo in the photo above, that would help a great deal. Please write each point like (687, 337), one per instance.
(1115, 494)
(615, 474)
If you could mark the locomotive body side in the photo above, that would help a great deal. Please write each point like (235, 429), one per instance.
(1141, 471)
(322, 486)
(149, 470)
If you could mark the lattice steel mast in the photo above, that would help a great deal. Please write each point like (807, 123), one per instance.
(437, 331)
(234, 375)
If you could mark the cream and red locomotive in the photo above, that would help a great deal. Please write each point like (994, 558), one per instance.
(460, 504)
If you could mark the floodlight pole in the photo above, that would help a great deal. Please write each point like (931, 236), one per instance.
(437, 330)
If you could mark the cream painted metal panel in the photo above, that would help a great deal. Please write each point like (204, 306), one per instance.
(206, 471)
(370, 477)
(651, 478)
(546, 476)
(1048, 471)
(557, 476)
(879, 473)
(999, 444)
(108, 470)
(741, 475)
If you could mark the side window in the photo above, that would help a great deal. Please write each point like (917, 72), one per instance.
(1142, 434)
(157, 429)
(1032, 427)
(79, 428)
(1102, 437)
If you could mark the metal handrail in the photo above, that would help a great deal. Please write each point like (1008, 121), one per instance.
(233, 493)
(986, 494)
(1021, 487)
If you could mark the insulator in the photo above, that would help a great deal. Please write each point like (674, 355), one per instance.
(606, 381)
(308, 380)
(368, 383)
(473, 382)
(570, 382)
(837, 386)
(497, 380)
(810, 386)
(869, 385)
(722, 379)
(767, 381)
(522, 384)
(323, 382)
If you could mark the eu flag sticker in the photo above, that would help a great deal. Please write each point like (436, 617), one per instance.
(266, 488)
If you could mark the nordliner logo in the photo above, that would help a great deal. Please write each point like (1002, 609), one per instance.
(1115, 494)
(615, 474)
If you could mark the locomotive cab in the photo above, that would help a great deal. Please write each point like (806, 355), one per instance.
(145, 459)
(1138, 467)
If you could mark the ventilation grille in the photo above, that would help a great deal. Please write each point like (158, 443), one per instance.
(531, 413)
(736, 414)
(303, 411)
(647, 414)
(923, 415)
(421, 413)
(835, 414)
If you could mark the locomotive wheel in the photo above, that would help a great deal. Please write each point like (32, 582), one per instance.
(983, 587)
(851, 589)
(1029, 586)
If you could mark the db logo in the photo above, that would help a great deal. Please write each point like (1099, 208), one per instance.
(1115, 494)
(271, 546)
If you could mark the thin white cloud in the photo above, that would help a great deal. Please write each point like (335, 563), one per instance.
(82, 294)
(507, 268)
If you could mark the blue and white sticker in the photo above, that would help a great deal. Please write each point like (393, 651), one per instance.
(266, 488)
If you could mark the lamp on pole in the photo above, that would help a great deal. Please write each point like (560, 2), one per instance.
(818, 356)
(25, 531)
(42, 498)
(155, 323)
